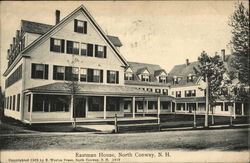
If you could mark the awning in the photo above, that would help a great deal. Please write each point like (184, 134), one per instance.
(92, 89)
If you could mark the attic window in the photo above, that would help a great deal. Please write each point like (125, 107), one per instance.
(162, 79)
(145, 78)
(176, 80)
(190, 78)
(128, 76)
(100, 51)
(80, 26)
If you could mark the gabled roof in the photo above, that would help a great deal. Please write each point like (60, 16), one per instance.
(141, 70)
(34, 27)
(158, 72)
(40, 28)
(140, 67)
(184, 70)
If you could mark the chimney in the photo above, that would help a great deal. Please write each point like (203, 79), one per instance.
(223, 55)
(57, 16)
(11, 47)
(187, 62)
(17, 34)
(8, 54)
(14, 41)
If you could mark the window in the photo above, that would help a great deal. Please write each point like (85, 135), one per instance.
(14, 102)
(100, 51)
(57, 45)
(7, 103)
(157, 90)
(127, 105)
(72, 47)
(152, 105)
(139, 105)
(162, 79)
(58, 72)
(150, 89)
(164, 104)
(58, 103)
(10, 102)
(83, 74)
(95, 103)
(165, 91)
(128, 76)
(71, 73)
(112, 76)
(178, 93)
(190, 93)
(145, 78)
(14, 77)
(176, 80)
(39, 71)
(18, 102)
(84, 48)
(113, 103)
(95, 75)
(80, 26)
(190, 78)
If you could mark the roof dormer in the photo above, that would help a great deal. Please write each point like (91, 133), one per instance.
(143, 74)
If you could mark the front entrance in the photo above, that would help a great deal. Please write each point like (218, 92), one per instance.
(80, 106)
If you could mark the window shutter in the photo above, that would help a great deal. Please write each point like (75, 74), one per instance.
(46, 71)
(90, 75)
(69, 47)
(33, 71)
(117, 77)
(54, 72)
(105, 52)
(75, 26)
(51, 44)
(108, 76)
(96, 50)
(101, 76)
(85, 27)
(62, 46)
(89, 49)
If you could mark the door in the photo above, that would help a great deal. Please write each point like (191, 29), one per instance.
(80, 108)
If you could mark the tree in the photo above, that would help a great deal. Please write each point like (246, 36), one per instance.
(211, 70)
(73, 88)
(239, 22)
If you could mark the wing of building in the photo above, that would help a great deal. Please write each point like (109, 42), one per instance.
(45, 62)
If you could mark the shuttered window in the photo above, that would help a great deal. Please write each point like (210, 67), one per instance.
(72, 47)
(39, 71)
(80, 26)
(113, 77)
(84, 48)
(95, 75)
(57, 45)
(100, 51)
(58, 72)
(83, 74)
(71, 73)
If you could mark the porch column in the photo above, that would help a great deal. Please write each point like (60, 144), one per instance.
(196, 108)
(133, 106)
(87, 106)
(186, 107)
(175, 106)
(71, 107)
(104, 107)
(143, 107)
(242, 108)
(31, 107)
(158, 105)
(234, 111)
(171, 109)
(224, 107)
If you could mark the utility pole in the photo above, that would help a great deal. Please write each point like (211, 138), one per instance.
(207, 105)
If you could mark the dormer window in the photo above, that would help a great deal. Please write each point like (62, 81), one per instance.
(128, 76)
(80, 26)
(176, 80)
(190, 78)
(162, 79)
(145, 78)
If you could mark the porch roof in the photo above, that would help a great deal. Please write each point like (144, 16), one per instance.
(93, 89)
(191, 99)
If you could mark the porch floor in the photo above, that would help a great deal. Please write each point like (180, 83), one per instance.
(101, 119)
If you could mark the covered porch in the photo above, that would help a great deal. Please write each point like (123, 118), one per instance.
(54, 104)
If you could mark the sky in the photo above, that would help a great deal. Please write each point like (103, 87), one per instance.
(157, 32)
